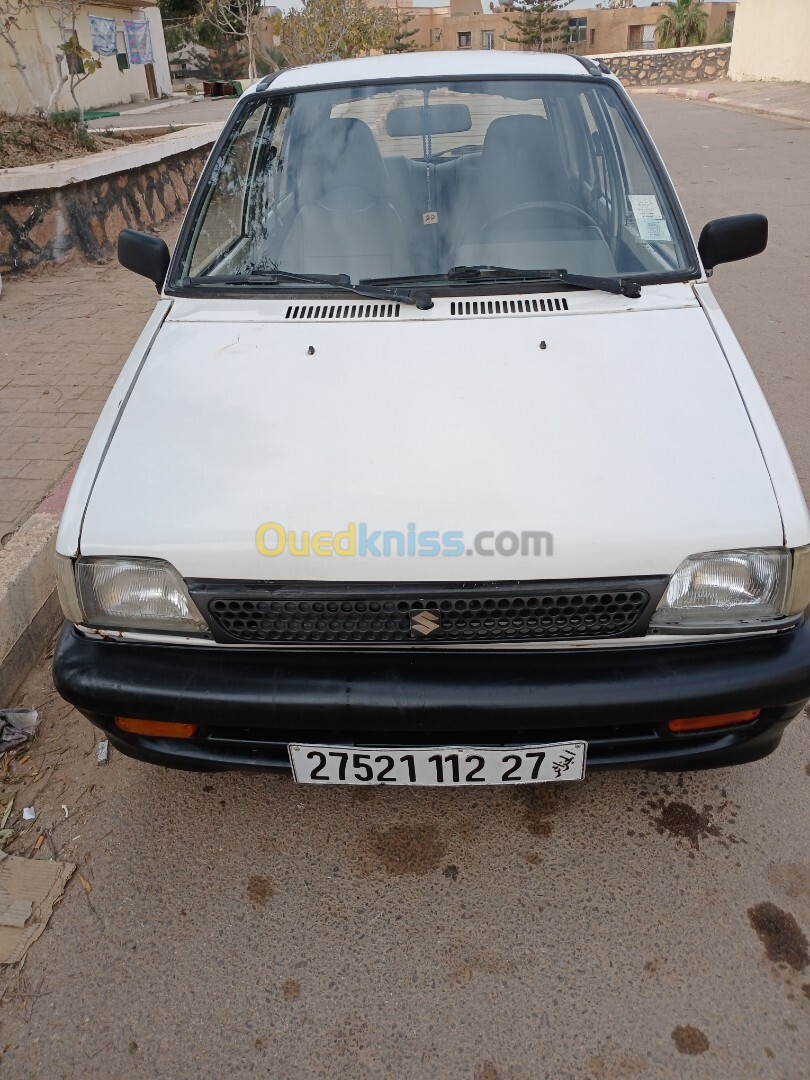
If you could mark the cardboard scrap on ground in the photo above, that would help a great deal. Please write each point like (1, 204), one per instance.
(29, 888)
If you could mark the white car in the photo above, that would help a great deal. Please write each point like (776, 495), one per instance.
(437, 462)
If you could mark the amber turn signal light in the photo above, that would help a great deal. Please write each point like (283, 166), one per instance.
(706, 723)
(155, 727)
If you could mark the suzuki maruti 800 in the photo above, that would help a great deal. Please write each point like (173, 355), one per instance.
(437, 462)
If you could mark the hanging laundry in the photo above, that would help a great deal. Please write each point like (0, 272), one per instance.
(139, 42)
(102, 32)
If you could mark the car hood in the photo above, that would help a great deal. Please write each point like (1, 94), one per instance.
(615, 428)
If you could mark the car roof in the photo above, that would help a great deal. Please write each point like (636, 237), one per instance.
(477, 63)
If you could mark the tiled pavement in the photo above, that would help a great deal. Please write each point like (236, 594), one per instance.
(64, 335)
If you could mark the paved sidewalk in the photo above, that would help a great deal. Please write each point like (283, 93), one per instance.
(64, 336)
(176, 112)
(787, 101)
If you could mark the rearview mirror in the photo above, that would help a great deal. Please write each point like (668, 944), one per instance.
(437, 120)
(144, 254)
(731, 238)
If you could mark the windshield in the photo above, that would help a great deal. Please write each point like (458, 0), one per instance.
(412, 180)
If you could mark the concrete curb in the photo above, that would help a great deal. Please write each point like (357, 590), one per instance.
(29, 609)
(708, 97)
(60, 174)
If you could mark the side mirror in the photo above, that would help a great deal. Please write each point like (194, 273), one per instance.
(144, 254)
(731, 238)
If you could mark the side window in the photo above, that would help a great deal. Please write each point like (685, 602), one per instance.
(223, 214)
(648, 216)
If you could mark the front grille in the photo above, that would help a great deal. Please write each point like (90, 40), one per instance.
(400, 614)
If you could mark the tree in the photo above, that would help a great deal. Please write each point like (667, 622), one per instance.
(539, 26)
(10, 12)
(682, 23)
(180, 19)
(74, 63)
(401, 40)
(236, 19)
(723, 34)
(223, 28)
(335, 30)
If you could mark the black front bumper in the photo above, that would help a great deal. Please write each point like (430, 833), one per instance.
(251, 703)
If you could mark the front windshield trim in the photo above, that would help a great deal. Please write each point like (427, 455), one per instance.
(439, 291)
(175, 285)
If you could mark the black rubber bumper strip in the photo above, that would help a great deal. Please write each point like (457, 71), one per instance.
(372, 690)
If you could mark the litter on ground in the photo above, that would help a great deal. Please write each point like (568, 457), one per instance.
(29, 888)
(17, 726)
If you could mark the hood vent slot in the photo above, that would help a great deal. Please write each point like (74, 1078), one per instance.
(530, 306)
(319, 312)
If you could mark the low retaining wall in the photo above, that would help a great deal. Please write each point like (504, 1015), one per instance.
(661, 67)
(79, 206)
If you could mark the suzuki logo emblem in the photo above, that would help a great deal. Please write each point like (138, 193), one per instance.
(424, 622)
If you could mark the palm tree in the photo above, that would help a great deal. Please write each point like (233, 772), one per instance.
(682, 23)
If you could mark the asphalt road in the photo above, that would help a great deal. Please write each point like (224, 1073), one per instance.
(634, 925)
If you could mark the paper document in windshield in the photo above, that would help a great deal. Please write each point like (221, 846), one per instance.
(649, 219)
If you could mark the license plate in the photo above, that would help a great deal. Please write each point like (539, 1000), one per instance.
(438, 766)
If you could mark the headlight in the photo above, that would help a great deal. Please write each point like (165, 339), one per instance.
(735, 589)
(127, 594)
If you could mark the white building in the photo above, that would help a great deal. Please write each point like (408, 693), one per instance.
(771, 41)
(119, 80)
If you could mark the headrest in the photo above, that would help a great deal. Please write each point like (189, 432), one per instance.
(520, 157)
(340, 153)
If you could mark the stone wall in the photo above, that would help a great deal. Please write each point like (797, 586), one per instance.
(85, 218)
(662, 67)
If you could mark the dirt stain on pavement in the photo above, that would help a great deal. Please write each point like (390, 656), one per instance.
(790, 878)
(407, 849)
(539, 802)
(291, 990)
(616, 1064)
(780, 934)
(690, 1040)
(683, 821)
(468, 964)
(259, 890)
(489, 1071)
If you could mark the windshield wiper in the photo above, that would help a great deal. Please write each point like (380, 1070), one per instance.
(618, 286)
(418, 297)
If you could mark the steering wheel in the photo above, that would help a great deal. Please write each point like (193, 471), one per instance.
(454, 152)
(550, 212)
